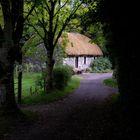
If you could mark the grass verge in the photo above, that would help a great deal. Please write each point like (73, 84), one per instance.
(55, 95)
(28, 82)
(110, 82)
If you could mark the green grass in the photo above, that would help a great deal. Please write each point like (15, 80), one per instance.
(28, 81)
(55, 95)
(110, 82)
(43, 98)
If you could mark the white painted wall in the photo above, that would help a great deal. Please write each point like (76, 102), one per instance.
(71, 62)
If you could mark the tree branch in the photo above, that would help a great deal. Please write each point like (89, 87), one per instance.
(30, 12)
(48, 8)
(6, 9)
(66, 22)
(36, 30)
(17, 20)
(42, 22)
(61, 8)
(56, 25)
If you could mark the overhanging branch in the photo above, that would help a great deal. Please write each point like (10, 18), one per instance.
(48, 8)
(36, 30)
(61, 7)
(66, 22)
(30, 12)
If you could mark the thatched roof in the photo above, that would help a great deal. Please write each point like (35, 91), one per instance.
(79, 44)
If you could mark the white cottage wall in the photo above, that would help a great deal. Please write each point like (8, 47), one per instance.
(84, 62)
(81, 61)
(69, 61)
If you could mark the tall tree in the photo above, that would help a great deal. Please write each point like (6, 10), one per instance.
(10, 32)
(50, 20)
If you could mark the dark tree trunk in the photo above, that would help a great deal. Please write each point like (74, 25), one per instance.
(20, 82)
(7, 96)
(7, 62)
(12, 10)
(9, 84)
(50, 64)
(19, 87)
(124, 25)
(125, 38)
(129, 77)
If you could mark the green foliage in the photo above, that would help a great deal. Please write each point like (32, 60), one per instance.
(84, 23)
(95, 32)
(52, 17)
(59, 54)
(61, 76)
(39, 82)
(101, 64)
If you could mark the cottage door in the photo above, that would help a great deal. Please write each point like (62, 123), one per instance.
(76, 62)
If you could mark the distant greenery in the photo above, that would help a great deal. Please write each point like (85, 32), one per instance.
(37, 96)
(111, 82)
(101, 65)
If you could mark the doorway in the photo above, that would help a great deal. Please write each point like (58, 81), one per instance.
(76, 62)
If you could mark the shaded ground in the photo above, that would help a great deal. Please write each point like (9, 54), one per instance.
(84, 115)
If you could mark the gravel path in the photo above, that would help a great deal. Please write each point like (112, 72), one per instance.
(77, 117)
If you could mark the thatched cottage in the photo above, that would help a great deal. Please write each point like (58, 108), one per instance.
(80, 51)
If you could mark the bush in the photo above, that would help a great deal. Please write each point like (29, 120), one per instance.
(101, 64)
(61, 76)
(39, 82)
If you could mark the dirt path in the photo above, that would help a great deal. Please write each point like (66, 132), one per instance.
(77, 117)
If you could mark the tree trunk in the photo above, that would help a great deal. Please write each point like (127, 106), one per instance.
(7, 96)
(20, 79)
(50, 64)
(7, 63)
(128, 80)
(10, 96)
(19, 87)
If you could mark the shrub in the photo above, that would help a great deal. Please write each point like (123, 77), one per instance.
(101, 64)
(61, 76)
(40, 81)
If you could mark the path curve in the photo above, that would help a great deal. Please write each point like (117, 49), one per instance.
(58, 120)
